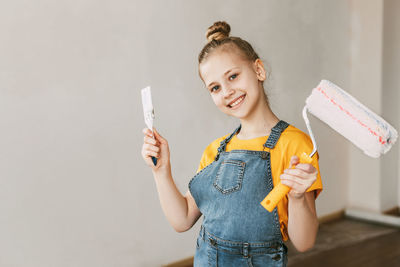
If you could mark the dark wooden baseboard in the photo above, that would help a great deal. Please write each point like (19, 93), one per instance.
(334, 216)
(188, 262)
(395, 211)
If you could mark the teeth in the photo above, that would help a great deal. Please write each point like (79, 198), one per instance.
(237, 101)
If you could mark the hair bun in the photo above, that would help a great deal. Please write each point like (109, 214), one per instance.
(218, 31)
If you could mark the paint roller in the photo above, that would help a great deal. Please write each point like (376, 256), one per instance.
(342, 112)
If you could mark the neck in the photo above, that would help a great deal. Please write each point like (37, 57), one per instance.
(259, 123)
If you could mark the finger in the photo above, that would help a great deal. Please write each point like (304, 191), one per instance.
(294, 186)
(301, 173)
(150, 140)
(290, 183)
(147, 132)
(152, 148)
(297, 172)
(159, 137)
(149, 162)
(294, 160)
(150, 153)
(295, 179)
(306, 167)
(295, 182)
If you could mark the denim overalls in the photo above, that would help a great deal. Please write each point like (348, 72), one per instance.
(237, 230)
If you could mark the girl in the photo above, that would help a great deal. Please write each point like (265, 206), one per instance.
(238, 170)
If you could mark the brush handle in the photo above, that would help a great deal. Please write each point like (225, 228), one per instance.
(281, 190)
(154, 160)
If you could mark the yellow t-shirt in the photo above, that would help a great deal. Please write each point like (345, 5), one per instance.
(291, 142)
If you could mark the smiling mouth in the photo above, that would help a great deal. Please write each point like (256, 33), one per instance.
(236, 102)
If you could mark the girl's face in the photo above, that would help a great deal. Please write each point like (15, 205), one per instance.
(235, 84)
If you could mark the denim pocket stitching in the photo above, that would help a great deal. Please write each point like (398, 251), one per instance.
(239, 166)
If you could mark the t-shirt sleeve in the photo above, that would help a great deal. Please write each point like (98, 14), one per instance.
(203, 161)
(317, 185)
(305, 145)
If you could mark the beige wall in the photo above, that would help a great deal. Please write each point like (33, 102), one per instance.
(391, 97)
(74, 190)
(366, 85)
(373, 183)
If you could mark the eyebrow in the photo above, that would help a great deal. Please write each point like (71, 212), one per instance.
(224, 74)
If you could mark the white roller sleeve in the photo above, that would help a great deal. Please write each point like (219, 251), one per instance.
(353, 120)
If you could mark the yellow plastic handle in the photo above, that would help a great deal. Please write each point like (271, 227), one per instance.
(280, 190)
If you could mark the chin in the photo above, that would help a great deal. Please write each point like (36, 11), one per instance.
(239, 115)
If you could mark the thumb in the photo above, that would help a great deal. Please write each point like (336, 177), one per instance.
(294, 160)
(158, 136)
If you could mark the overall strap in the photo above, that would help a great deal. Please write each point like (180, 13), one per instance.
(223, 143)
(271, 142)
(275, 134)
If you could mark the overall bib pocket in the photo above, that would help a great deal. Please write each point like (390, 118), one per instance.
(229, 176)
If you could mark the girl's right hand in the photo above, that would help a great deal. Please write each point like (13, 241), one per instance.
(156, 147)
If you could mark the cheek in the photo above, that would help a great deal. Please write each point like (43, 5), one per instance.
(246, 84)
(218, 101)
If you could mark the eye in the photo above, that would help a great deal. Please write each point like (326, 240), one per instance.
(232, 77)
(215, 88)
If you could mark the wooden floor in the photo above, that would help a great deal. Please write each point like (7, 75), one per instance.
(345, 243)
(351, 243)
(380, 251)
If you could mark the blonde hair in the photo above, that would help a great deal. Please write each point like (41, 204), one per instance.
(218, 36)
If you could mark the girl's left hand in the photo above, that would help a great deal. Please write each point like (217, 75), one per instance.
(300, 178)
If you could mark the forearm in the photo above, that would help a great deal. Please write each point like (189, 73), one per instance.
(173, 203)
(303, 222)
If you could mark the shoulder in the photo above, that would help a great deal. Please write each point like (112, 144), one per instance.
(294, 139)
(213, 146)
(210, 152)
(294, 135)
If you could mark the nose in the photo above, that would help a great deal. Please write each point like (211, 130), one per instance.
(227, 91)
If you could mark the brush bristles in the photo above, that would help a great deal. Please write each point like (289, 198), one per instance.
(353, 120)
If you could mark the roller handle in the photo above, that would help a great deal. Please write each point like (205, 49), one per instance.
(281, 190)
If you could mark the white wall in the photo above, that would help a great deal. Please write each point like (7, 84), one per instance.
(391, 95)
(74, 190)
(366, 86)
(373, 183)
